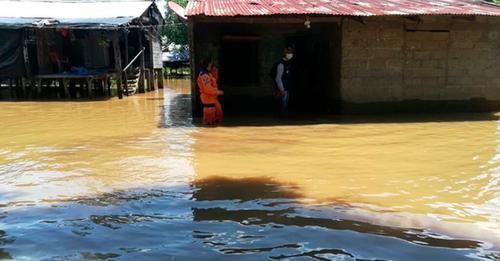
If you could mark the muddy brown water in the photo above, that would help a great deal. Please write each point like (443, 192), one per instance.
(133, 179)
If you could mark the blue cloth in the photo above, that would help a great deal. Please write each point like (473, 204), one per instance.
(284, 103)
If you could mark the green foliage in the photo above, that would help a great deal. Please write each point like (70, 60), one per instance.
(175, 31)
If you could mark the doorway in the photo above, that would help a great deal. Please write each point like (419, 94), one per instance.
(316, 70)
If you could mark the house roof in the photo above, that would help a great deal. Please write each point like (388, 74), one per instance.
(339, 7)
(81, 13)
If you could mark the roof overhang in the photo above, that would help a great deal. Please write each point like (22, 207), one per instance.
(177, 9)
(366, 8)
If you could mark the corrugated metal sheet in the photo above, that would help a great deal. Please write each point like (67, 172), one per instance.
(339, 7)
(73, 12)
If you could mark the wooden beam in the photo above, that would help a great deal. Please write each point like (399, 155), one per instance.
(151, 84)
(160, 78)
(26, 57)
(151, 79)
(125, 76)
(469, 18)
(192, 61)
(118, 64)
(141, 74)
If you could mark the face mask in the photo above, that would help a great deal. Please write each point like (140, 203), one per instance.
(289, 56)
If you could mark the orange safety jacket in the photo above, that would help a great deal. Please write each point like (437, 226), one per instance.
(208, 88)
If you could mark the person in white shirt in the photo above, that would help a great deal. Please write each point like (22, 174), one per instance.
(283, 79)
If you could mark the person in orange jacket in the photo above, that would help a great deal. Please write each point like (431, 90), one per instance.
(207, 82)
(214, 72)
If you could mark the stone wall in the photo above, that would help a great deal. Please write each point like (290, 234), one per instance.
(435, 59)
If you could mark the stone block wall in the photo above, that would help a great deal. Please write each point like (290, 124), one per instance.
(438, 58)
(372, 60)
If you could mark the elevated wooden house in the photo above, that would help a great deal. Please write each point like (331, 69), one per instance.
(75, 48)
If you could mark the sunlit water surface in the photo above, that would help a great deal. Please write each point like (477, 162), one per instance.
(133, 179)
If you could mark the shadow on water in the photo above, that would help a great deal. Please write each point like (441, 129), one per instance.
(82, 100)
(254, 217)
(5, 240)
(219, 188)
(299, 120)
(222, 188)
(53, 94)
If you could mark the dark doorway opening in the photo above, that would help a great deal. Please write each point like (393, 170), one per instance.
(239, 60)
(316, 70)
(246, 54)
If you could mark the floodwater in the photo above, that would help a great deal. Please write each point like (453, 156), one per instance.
(133, 179)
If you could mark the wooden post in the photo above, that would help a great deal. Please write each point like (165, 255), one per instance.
(64, 84)
(118, 64)
(10, 88)
(160, 78)
(151, 63)
(148, 76)
(125, 76)
(26, 59)
(38, 87)
(141, 74)
(108, 85)
(151, 79)
(89, 87)
(192, 61)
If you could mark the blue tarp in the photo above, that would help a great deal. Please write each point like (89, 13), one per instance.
(181, 55)
(11, 53)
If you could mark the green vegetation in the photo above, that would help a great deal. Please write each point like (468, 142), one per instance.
(175, 30)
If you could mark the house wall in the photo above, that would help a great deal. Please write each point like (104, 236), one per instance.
(433, 63)
(430, 63)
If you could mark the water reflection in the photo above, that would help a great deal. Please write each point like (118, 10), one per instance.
(133, 179)
(286, 217)
(176, 110)
(5, 240)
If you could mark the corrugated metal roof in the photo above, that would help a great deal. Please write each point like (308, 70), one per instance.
(339, 7)
(72, 12)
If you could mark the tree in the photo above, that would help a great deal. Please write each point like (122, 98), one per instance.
(175, 30)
